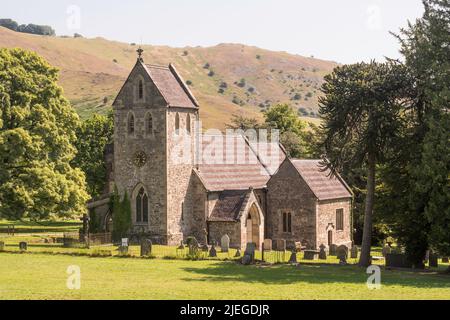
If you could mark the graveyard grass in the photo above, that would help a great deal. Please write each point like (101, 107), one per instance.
(43, 276)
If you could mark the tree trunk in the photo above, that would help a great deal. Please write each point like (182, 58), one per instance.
(364, 260)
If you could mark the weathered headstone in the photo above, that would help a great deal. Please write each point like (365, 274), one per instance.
(354, 252)
(238, 253)
(146, 247)
(293, 258)
(444, 259)
(322, 252)
(268, 244)
(311, 254)
(124, 242)
(333, 250)
(342, 254)
(386, 250)
(225, 243)
(123, 250)
(213, 251)
(397, 260)
(23, 246)
(433, 260)
(181, 246)
(2, 246)
(280, 245)
(246, 259)
(249, 253)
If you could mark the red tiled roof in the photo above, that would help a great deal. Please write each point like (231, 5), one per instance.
(229, 205)
(231, 164)
(324, 186)
(171, 86)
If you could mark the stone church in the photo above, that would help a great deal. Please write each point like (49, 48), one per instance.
(256, 193)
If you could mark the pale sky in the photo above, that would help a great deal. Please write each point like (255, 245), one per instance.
(345, 31)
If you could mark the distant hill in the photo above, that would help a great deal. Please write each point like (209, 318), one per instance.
(226, 79)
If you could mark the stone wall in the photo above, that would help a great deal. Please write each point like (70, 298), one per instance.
(287, 192)
(218, 229)
(327, 222)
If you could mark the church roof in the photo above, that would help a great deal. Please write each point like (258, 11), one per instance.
(324, 186)
(229, 206)
(171, 86)
(233, 163)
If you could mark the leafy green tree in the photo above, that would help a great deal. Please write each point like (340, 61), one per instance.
(92, 137)
(243, 123)
(361, 108)
(292, 129)
(37, 136)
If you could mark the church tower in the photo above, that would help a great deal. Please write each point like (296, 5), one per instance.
(155, 117)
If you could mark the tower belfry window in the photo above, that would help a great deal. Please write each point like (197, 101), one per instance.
(141, 90)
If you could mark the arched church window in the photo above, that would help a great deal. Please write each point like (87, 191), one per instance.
(149, 123)
(177, 123)
(142, 206)
(188, 124)
(130, 123)
(141, 90)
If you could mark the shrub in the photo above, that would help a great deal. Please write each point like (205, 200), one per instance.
(297, 96)
(223, 85)
(258, 57)
(206, 66)
(211, 73)
(115, 60)
(189, 82)
(241, 83)
(185, 53)
(251, 89)
(221, 91)
(309, 95)
(77, 35)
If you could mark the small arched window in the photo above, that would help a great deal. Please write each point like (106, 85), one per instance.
(177, 123)
(142, 206)
(130, 123)
(149, 123)
(188, 124)
(141, 90)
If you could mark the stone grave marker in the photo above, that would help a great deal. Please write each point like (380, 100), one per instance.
(181, 246)
(225, 243)
(268, 244)
(124, 242)
(342, 254)
(146, 247)
(213, 251)
(238, 253)
(333, 250)
(354, 252)
(311, 254)
(23, 246)
(123, 250)
(293, 258)
(2, 246)
(249, 253)
(323, 252)
(386, 250)
(433, 260)
(280, 245)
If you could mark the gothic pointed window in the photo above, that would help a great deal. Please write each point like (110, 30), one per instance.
(177, 123)
(287, 222)
(130, 123)
(142, 206)
(149, 123)
(141, 90)
(188, 124)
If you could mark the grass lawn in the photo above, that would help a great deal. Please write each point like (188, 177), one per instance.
(28, 227)
(38, 276)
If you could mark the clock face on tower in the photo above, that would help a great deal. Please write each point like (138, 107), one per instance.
(139, 159)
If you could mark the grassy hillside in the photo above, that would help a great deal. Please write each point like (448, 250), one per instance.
(249, 79)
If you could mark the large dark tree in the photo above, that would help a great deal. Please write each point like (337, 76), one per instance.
(361, 110)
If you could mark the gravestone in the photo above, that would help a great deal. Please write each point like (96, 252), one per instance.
(280, 245)
(386, 250)
(249, 253)
(124, 242)
(268, 244)
(238, 253)
(123, 250)
(333, 250)
(146, 247)
(322, 252)
(298, 246)
(444, 259)
(293, 258)
(397, 260)
(2, 246)
(225, 243)
(213, 251)
(433, 260)
(23, 246)
(181, 247)
(354, 252)
(342, 254)
(311, 254)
